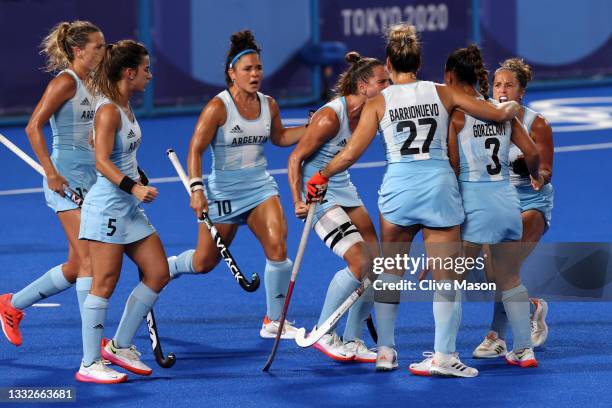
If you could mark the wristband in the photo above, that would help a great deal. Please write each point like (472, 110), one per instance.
(127, 184)
(196, 187)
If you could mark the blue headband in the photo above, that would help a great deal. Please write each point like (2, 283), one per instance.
(240, 54)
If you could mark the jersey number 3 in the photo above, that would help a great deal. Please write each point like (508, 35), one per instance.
(406, 149)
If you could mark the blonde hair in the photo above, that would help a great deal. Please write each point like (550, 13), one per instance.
(403, 48)
(57, 45)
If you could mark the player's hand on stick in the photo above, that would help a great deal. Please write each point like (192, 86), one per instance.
(57, 183)
(145, 194)
(301, 209)
(198, 203)
(317, 187)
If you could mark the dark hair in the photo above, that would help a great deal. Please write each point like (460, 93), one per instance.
(57, 45)
(240, 41)
(361, 69)
(124, 54)
(520, 69)
(403, 48)
(469, 67)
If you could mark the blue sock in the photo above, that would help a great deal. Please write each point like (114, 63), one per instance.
(181, 264)
(447, 315)
(94, 315)
(139, 303)
(516, 303)
(500, 320)
(52, 282)
(341, 286)
(358, 314)
(276, 280)
(386, 312)
(83, 286)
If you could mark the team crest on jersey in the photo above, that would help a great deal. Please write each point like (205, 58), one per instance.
(236, 129)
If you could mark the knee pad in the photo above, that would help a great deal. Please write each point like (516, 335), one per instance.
(337, 231)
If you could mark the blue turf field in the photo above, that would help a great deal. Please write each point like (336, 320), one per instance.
(212, 325)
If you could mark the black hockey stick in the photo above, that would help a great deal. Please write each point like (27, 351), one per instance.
(249, 286)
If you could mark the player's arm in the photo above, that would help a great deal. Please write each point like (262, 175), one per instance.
(530, 152)
(455, 127)
(107, 122)
(283, 136)
(360, 140)
(323, 126)
(213, 115)
(453, 98)
(541, 131)
(59, 90)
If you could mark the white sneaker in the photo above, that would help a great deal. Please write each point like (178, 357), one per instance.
(386, 359)
(128, 358)
(449, 365)
(331, 345)
(361, 353)
(100, 373)
(424, 366)
(539, 329)
(491, 347)
(269, 328)
(523, 358)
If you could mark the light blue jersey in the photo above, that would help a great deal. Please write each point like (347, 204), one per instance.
(72, 155)
(239, 180)
(419, 186)
(109, 214)
(531, 199)
(483, 150)
(414, 125)
(492, 211)
(340, 190)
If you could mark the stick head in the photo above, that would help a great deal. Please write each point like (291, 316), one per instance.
(300, 338)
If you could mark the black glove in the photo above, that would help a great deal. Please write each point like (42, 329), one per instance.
(520, 167)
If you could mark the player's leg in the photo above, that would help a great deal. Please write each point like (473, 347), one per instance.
(205, 256)
(268, 224)
(149, 255)
(106, 260)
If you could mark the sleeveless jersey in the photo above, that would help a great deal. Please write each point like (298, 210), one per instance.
(331, 148)
(483, 150)
(415, 123)
(72, 123)
(239, 143)
(127, 141)
(516, 179)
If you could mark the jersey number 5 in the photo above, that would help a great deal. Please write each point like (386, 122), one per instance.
(406, 149)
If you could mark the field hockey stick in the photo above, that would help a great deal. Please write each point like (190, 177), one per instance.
(294, 272)
(164, 362)
(70, 193)
(223, 249)
(372, 328)
(306, 341)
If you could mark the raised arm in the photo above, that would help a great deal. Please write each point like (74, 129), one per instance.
(282, 136)
(107, 122)
(213, 115)
(323, 126)
(453, 98)
(363, 135)
(59, 90)
(456, 125)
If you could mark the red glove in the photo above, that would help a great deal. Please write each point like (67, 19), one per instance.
(317, 186)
